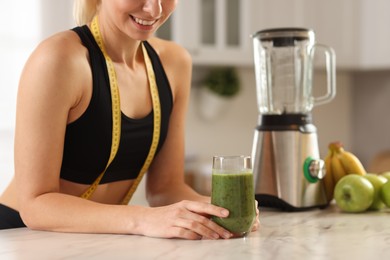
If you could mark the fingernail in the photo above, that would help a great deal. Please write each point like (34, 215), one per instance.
(227, 235)
(225, 212)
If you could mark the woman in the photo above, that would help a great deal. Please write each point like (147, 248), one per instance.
(65, 134)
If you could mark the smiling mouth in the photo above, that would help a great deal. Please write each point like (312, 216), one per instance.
(143, 22)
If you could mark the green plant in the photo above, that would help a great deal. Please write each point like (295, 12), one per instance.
(223, 81)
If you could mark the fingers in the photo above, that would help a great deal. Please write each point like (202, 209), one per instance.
(186, 219)
(206, 208)
(256, 225)
(197, 229)
(177, 232)
(195, 223)
(194, 220)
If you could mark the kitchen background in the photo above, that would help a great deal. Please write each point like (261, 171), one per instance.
(217, 33)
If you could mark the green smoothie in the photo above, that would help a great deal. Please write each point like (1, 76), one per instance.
(234, 191)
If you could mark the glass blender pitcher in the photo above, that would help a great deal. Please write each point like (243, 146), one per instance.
(286, 166)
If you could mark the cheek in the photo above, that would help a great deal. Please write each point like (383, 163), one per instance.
(168, 6)
(127, 5)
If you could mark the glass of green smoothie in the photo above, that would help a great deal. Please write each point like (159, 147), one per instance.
(232, 188)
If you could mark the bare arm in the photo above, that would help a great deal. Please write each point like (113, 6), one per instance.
(50, 89)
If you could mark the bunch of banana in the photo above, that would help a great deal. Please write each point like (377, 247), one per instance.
(338, 163)
(328, 179)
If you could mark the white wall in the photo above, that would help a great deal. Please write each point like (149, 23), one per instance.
(231, 132)
(371, 106)
(18, 39)
(27, 23)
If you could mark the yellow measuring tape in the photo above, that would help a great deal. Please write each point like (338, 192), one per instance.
(116, 116)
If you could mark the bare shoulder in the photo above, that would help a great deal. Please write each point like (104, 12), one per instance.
(61, 51)
(59, 63)
(171, 52)
(177, 64)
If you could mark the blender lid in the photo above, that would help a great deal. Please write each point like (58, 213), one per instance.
(285, 36)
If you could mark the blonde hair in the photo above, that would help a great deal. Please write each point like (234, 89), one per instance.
(84, 10)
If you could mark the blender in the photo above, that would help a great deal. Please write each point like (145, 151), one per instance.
(286, 162)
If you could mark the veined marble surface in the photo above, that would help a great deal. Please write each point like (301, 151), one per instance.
(316, 234)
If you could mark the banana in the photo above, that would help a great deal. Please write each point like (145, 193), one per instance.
(337, 168)
(349, 161)
(328, 179)
(339, 163)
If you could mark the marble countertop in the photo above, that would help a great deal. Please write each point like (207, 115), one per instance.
(315, 234)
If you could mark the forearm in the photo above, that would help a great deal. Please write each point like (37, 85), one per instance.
(65, 213)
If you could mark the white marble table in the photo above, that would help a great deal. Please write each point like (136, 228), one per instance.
(316, 234)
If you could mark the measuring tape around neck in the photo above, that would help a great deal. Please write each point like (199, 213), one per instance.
(156, 126)
(116, 115)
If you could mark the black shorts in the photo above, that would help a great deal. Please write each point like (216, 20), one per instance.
(10, 218)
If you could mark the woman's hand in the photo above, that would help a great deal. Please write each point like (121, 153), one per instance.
(186, 219)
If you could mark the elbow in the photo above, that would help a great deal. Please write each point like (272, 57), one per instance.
(151, 199)
(26, 215)
(31, 216)
(155, 199)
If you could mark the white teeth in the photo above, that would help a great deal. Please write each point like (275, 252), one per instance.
(143, 22)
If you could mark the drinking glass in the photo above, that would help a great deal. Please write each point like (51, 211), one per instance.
(232, 189)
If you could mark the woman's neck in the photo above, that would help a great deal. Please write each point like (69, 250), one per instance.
(120, 47)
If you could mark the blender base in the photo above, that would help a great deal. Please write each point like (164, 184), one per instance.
(269, 201)
(278, 167)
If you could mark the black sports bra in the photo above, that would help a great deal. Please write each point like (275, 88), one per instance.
(88, 139)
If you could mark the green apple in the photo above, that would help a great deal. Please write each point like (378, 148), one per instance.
(377, 181)
(354, 193)
(385, 193)
(386, 175)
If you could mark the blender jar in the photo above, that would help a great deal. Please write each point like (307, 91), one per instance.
(284, 70)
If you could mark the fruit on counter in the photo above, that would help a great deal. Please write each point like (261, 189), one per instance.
(328, 179)
(338, 170)
(377, 181)
(385, 193)
(354, 193)
(339, 163)
(386, 175)
(348, 160)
